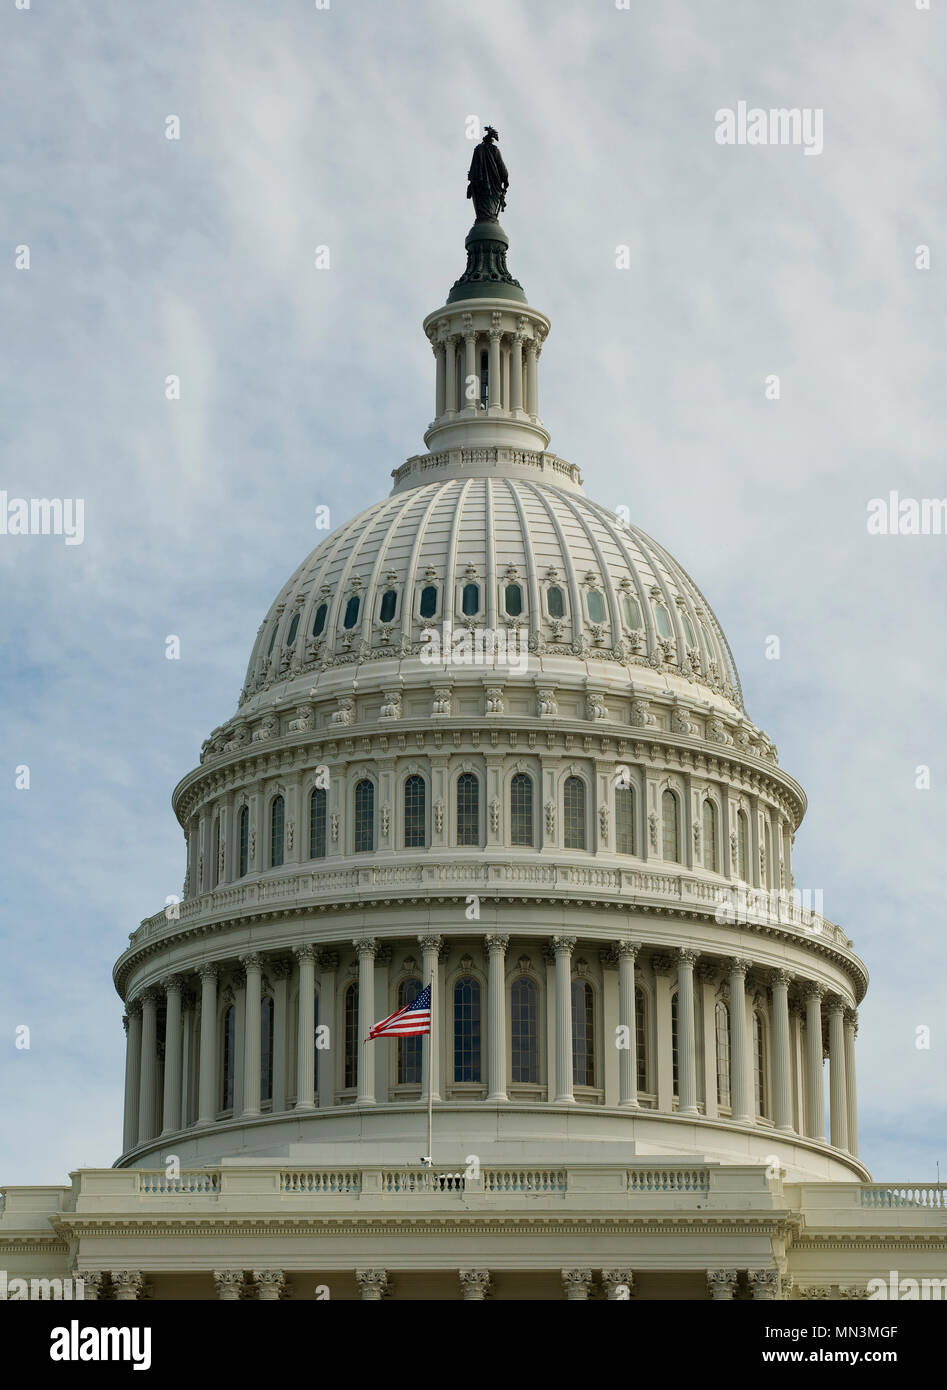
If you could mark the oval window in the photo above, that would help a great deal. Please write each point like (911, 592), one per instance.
(319, 621)
(388, 601)
(351, 611)
(632, 611)
(470, 600)
(293, 629)
(514, 600)
(428, 605)
(555, 603)
(596, 606)
(664, 622)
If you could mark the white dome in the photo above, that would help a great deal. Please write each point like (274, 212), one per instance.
(587, 586)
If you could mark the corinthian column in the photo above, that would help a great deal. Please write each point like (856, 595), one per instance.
(173, 1049)
(305, 1040)
(430, 1070)
(815, 1120)
(851, 1028)
(838, 1101)
(253, 966)
(493, 377)
(450, 376)
(687, 1035)
(149, 1065)
(496, 1051)
(366, 948)
(532, 377)
(562, 946)
(627, 1056)
(440, 392)
(132, 1073)
(516, 373)
(207, 1087)
(739, 1047)
(782, 1096)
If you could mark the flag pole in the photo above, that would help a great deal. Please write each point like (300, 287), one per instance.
(430, 1074)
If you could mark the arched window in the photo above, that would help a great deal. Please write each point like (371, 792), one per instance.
(243, 837)
(555, 602)
(675, 1046)
(428, 605)
(468, 809)
(389, 601)
(722, 1029)
(583, 1033)
(467, 1029)
(743, 835)
(215, 866)
(351, 612)
(414, 815)
(641, 1037)
(364, 816)
(351, 1036)
(319, 621)
(293, 629)
(266, 1048)
(710, 836)
(759, 1063)
(514, 600)
(688, 630)
(228, 1033)
(663, 620)
(277, 815)
(573, 813)
(670, 828)
(632, 612)
(315, 1042)
(269, 650)
(524, 1036)
(596, 606)
(409, 1049)
(625, 820)
(521, 809)
(317, 823)
(470, 600)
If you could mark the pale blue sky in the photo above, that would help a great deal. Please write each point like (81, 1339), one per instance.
(300, 388)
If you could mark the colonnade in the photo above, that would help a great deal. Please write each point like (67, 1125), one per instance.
(795, 1056)
(512, 371)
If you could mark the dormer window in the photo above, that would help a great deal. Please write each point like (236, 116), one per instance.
(293, 629)
(269, 650)
(555, 602)
(596, 606)
(632, 612)
(470, 600)
(389, 601)
(664, 622)
(428, 605)
(319, 621)
(351, 612)
(688, 631)
(514, 600)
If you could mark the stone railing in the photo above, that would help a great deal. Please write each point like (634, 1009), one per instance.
(541, 461)
(524, 1179)
(185, 1184)
(669, 1180)
(930, 1195)
(312, 888)
(320, 1181)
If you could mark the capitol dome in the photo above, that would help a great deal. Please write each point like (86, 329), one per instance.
(491, 739)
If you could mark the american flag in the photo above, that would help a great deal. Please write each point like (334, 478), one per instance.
(412, 1019)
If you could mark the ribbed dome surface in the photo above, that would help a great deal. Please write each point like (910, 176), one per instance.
(527, 554)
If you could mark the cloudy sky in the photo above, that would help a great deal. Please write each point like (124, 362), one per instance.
(346, 127)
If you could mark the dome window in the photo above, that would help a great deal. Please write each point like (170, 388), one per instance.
(664, 622)
(351, 612)
(319, 622)
(269, 650)
(514, 600)
(293, 629)
(428, 604)
(632, 612)
(688, 630)
(596, 606)
(470, 600)
(389, 601)
(555, 602)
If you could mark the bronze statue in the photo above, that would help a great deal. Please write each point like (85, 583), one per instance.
(488, 177)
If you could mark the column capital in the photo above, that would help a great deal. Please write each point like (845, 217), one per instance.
(496, 942)
(686, 956)
(737, 965)
(365, 946)
(173, 984)
(721, 1283)
(576, 1283)
(764, 1283)
(133, 1007)
(128, 1284)
(835, 1004)
(781, 978)
(431, 943)
(229, 1283)
(304, 952)
(253, 960)
(615, 1281)
(627, 948)
(373, 1284)
(151, 995)
(208, 970)
(851, 1018)
(475, 1284)
(563, 945)
(270, 1283)
(812, 990)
